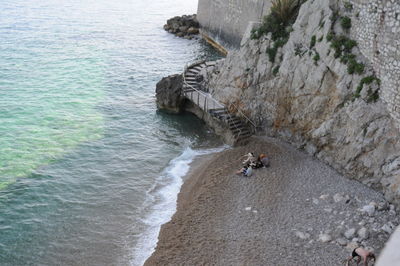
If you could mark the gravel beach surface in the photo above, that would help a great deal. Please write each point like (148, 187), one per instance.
(298, 211)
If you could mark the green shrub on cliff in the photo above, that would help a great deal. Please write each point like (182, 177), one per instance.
(283, 14)
(373, 96)
(345, 22)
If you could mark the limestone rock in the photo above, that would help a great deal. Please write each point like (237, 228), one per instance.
(324, 238)
(338, 197)
(169, 94)
(313, 105)
(193, 30)
(350, 233)
(369, 209)
(363, 233)
(351, 246)
(302, 235)
(341, 241)
(183, 26)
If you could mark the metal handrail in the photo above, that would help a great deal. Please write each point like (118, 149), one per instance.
(206, 96)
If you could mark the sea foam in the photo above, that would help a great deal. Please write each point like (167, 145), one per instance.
(164, 196)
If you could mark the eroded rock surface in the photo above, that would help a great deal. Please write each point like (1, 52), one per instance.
(169, 94)
(184, 26)
(312, 101)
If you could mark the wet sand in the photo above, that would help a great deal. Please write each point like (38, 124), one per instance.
(226, 219)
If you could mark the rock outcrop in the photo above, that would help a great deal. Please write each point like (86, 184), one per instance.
(310, 96)
(169, 94)
(184, 26)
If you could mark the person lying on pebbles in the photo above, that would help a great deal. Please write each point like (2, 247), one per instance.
(361, 253)
(251, 163)
(249, 160)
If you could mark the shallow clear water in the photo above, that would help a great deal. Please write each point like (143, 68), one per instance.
(88, 167)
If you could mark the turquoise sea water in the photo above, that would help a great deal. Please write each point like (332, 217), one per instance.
(88, 168)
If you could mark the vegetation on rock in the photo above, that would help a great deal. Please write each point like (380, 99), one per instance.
(278, 23)
(373, 95)
(345, 22)
(313, 41)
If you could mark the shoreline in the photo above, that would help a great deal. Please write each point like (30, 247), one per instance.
(293, 213)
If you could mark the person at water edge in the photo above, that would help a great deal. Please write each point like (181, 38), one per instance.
(361, 253)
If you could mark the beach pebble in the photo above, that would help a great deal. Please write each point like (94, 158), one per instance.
(373, 203)
(351, 246)
(350, 233)
(338, 197)
(324, 196)
(302, 235)
(255, 211)
(382, 206)
(369, 209)
(388, 228)
(342, 241)
(363, 233)
(315, 201)
(247, 209)
(324, 238)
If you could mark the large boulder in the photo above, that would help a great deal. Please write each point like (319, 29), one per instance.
(183, 26)
(169, 94)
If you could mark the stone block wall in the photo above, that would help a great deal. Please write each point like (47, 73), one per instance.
(225, 21)
(376, 27)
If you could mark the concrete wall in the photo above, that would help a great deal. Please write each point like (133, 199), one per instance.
(225, 21)
(376, 27)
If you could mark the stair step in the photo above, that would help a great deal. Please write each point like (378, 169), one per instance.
(211, 63)
(234, 121)
(219, 111)
(188, 86)
(190, 74)
(203, 65)
(244, 134)
(198, 68)
(190, 78)
(241, 127)
(193, 71)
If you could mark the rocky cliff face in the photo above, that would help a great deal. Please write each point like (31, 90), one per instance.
(307, 96)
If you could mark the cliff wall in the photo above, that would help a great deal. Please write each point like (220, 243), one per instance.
(377, 30)
(225, 21)
(307, 96)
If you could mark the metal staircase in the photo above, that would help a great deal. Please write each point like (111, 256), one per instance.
(241, 127)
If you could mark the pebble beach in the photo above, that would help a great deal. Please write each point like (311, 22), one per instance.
(298, 211)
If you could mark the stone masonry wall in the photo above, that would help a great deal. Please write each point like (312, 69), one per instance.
(376, 27)
(225, 21)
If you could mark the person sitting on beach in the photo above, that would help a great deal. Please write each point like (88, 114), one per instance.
(246, 171)
(250, 159)
(264, 160)
(361, 253)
